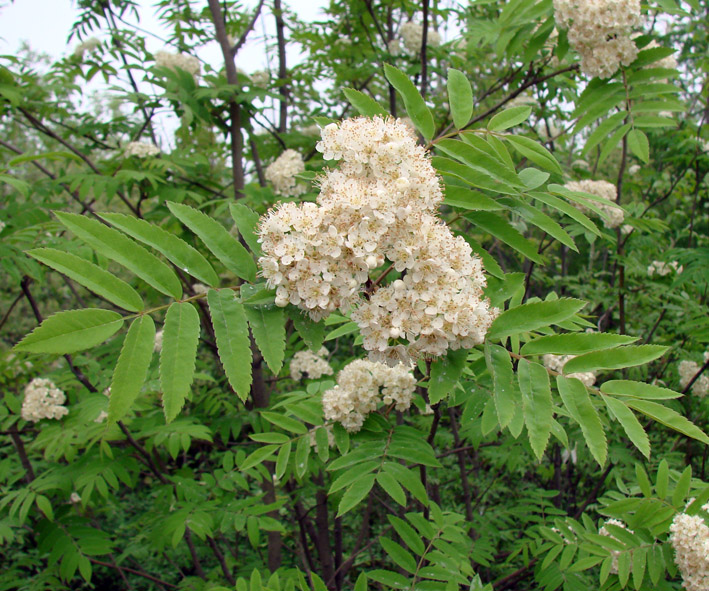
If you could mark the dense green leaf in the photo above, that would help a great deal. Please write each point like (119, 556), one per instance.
(71, 331)
(178, 355)
(364, 104)
(618, 358)
(91, 276)
(578, 403)
(460, 98)
(268, 327)
(232, 334)
(533, 316)
(117, 247)
(537, 404)
(215, 237)
(413, 101)
(177, 251)
(132, 367)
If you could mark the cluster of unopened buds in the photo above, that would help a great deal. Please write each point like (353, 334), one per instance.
(377, 214)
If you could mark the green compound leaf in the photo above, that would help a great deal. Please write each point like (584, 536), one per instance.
(413, 101)
(132, 367)
(578, 403)
(117, 247)
(632, 427)
(174, 249)
(532, 316)
(537, 404)
(269, 329)
(91, 276)
(177, 357)
(575, 343)
(445, 373)
(506, 394)
(668, 417)
(460, 98)
(617, 358)
(364, 104)
(509, 118)
(71, 331)
(232, 333)
(215, 237)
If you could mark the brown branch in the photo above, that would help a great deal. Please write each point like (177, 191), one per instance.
(134, 571)
(10, 309)
(282, 66)
(20, 447)
(242, 39)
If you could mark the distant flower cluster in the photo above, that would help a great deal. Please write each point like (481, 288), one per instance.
(260, 78)
(663, 269)
(689, 536)
(157, 346)
(600, 30)
(315, 365)
(281, 173)
(556, 363)
(614, 215)
(361, 386)
(378, 206)
(687, 370)
(614, 553)
(181, 61)
(142, 149)
(43, 400)
(412, 36)
(88, 45)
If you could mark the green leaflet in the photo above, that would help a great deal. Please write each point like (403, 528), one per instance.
(467, 199)
(565, 208)
(247, 224)
(575, 343)
(501, 229)
(476, 177)
(618, 358)
(632, 427)
(91, 276)
(539, 219)
(535, 152)
(174, 249)
(132, 367)
(413, 101)
(177, 357)
(460, 98)
(117, 247)
(481, 161)
(355, 493)
(537, 404)
(509, 118)
(445, 373)
(269, 329)
(391, 486)
(71, 331)
(668, 417)
(215, 237)
(532, 316)
(639, 145)
(312, 333)
(401, 557)
(232, 334)
(578, 403)
(506, 394)
(638, 390)
(364, 104)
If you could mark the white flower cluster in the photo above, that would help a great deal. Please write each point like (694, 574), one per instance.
(687, 370)
(556, 363)
(157, 346)
(200, 288)
(90, 44)
(600, 31)
(2, 225)
(281, 173)
(357, 392)
(689, 536)
(260, 78)
(182, 61)
(663, 269)
(412, 35)
(313, 364)
(43, 400)
(605, 191)
(142, 149)
(614, 553)
(379, 206)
